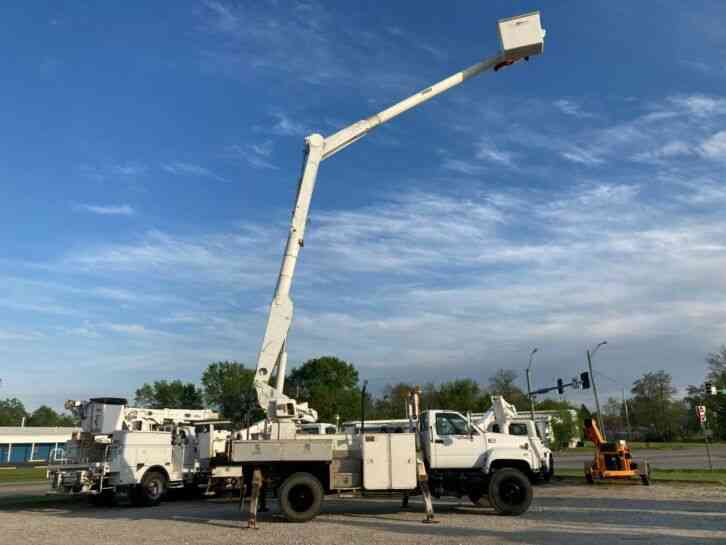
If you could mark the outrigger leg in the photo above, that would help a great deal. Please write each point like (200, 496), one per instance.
(423, 483)
(254, 498)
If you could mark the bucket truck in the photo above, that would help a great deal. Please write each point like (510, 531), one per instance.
(139, 452)
(446, 454)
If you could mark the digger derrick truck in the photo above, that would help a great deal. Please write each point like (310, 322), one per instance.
(447, 454)
(139, 452)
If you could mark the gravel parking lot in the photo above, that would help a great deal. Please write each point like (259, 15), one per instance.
(574, 514)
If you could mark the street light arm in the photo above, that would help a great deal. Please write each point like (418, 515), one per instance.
(345, 137)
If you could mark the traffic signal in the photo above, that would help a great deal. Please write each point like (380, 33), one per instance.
(585, 380)
(560, 386)
(710, 389)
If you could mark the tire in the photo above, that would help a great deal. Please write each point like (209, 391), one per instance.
(645, 474)
(588, 473)
(149, 493)
(300, 496)
(510, 492)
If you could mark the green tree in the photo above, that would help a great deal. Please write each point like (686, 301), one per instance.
(653, 406)
(502, 383)
(715, 405)
(613, 416)
(229, 389)
(462, 395)
(12, 412)
(163, 394)
(329, 385)
(392, 403)
(46, 416)
(564, 428)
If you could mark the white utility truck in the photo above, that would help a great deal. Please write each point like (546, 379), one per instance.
(139, 452)
(502, 417)
(447, 454)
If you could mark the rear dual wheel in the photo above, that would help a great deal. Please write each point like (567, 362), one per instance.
(301, 496)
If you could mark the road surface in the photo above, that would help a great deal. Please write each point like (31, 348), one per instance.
(576, 514)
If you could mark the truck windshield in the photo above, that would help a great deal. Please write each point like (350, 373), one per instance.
(451, 424)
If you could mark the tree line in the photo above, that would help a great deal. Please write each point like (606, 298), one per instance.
(333, 387)
(13, 413)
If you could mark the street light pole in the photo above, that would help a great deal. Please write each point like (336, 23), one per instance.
(590, 354)
(529, 382)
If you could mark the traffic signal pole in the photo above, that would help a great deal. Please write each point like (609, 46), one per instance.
(594, 391)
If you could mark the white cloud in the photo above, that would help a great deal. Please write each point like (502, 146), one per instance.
(462, 167)
(179, 168)
(582, 156)
(700, 105)
(487, 152)
(106, 210)
(714, 147)
(286, 126)
(572, 108)
(256, 155)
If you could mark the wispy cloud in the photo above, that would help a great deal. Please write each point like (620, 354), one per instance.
(572, 108)
(106, 210)
(714, 147)
(128, 171)
(284, 125)
(179, 168)
(256, 155)
(489, 153)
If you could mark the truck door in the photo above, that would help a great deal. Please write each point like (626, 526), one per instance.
(453, 444)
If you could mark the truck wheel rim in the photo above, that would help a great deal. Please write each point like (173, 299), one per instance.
(301, 498)
(511, 492)
(153, 488)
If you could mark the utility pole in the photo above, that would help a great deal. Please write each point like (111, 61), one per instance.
(529, 382)
(594, 388)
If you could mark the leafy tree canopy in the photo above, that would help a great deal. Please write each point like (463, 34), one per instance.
(163, 394)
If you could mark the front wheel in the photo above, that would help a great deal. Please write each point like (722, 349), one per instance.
(150, 491)
(301, 496)
(510, 492)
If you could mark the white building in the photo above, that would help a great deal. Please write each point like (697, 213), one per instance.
(19, 445)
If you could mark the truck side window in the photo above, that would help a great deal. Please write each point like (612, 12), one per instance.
(451, 424)
(517, 429)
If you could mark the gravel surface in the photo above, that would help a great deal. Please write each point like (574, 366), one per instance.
(687, 458)
(571, 514)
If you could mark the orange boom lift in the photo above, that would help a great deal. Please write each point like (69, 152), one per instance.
(612, 460)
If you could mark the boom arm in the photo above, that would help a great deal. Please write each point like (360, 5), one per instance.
(520, 36)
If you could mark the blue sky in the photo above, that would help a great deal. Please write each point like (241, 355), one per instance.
(150, 156)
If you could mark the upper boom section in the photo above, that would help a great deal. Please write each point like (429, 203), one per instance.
(520, 37)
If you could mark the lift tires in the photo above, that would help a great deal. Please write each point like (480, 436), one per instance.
(300, 496)
(588, 473)
(510, 492)
(149, 493)
(645, 474)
